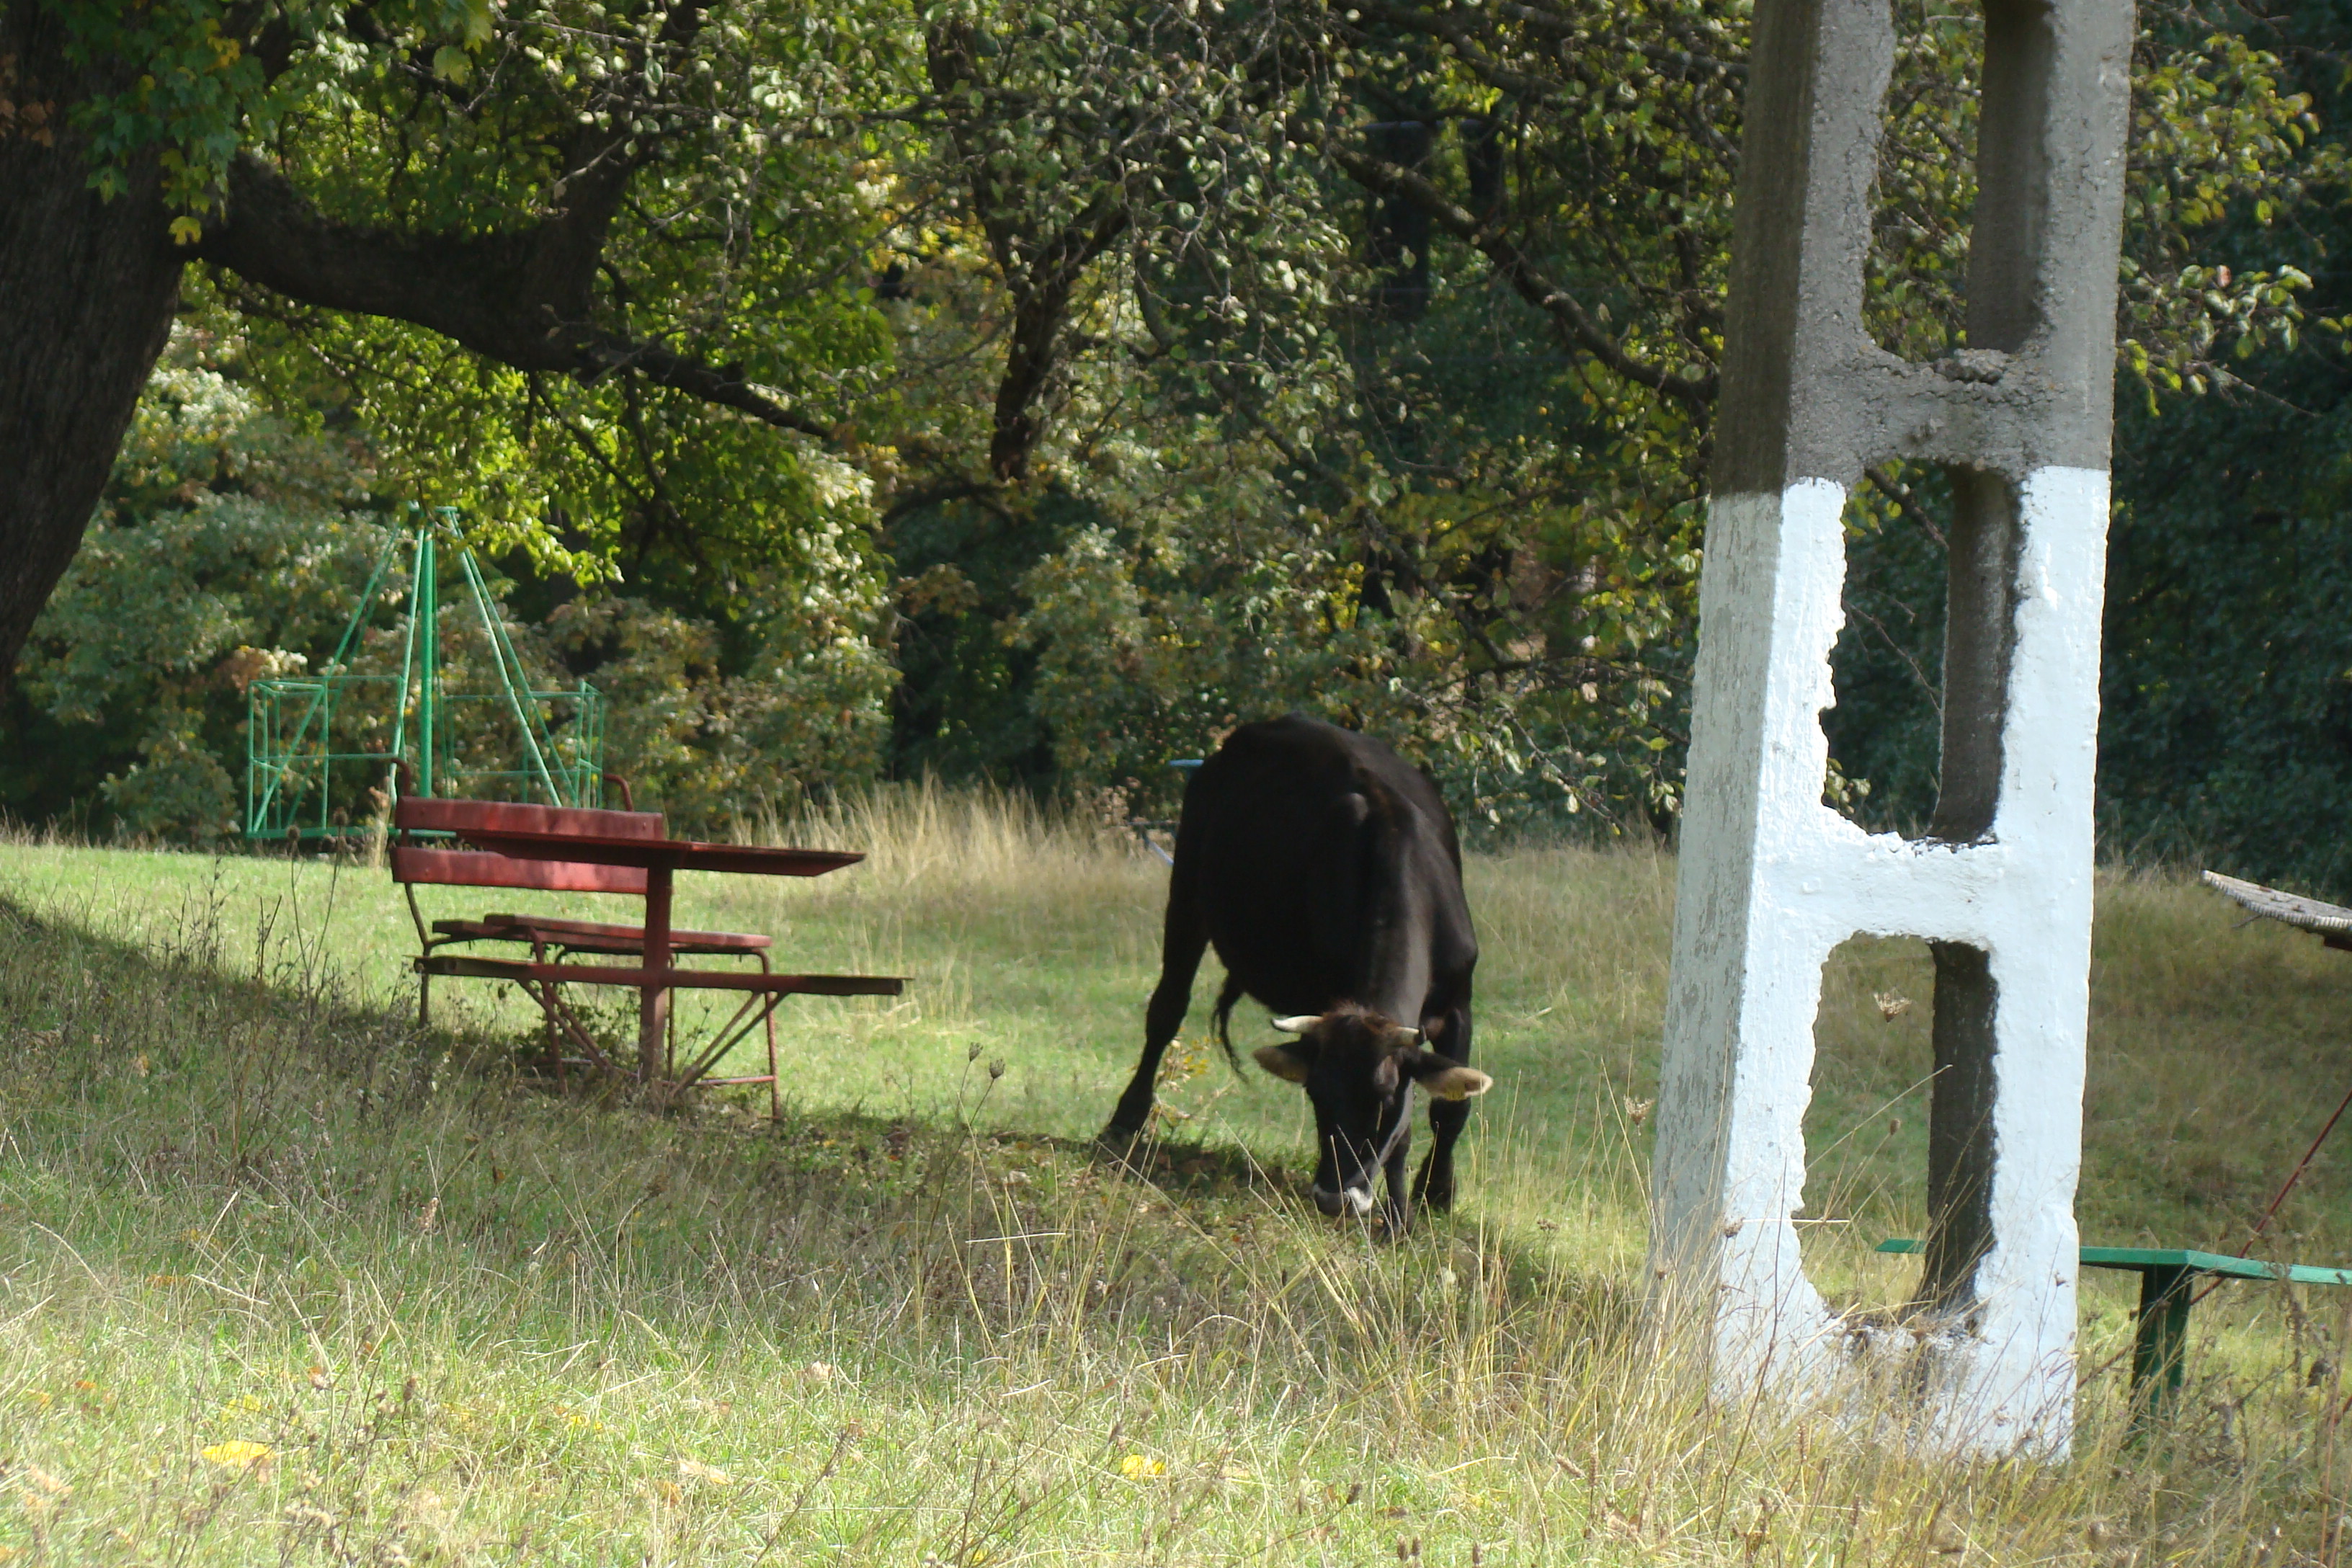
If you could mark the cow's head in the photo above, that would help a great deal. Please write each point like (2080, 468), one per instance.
(1357, 1068)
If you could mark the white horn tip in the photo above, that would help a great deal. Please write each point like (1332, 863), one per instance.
(1298, 1024)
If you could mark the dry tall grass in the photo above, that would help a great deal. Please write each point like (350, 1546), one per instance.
(922, 839)
(281, 1279)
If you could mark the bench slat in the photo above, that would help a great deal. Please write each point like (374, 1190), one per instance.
(591, 936)
(477, 868)
(683, 979)
(426, 814)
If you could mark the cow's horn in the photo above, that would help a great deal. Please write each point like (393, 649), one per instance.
(1298, 1025)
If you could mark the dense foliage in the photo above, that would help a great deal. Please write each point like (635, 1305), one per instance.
(1036, 391)
(236, 545)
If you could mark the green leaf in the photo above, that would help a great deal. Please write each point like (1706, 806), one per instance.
(480, 25)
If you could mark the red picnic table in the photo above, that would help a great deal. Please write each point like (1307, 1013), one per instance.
(517, 846)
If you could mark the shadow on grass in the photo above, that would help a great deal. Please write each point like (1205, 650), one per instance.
(250, 1079)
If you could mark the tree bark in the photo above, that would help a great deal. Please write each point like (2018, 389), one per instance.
(87, 292)
(1041, 291)
(1041, 271)
(87, 287)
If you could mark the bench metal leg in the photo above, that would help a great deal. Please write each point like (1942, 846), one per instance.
(550, 1042)
(729, 1035)
(2160, 1338)
(733, 1033)
(654, 1001)
(776, 1084)
(546, 993)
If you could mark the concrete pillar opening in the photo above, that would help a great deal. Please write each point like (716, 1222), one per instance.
(1885, 726)
(1867, 1115)
(1926, 204)
(1921, 666)
(1923, 199)
(1898, 1118)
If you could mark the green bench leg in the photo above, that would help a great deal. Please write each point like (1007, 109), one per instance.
(2161, 1340)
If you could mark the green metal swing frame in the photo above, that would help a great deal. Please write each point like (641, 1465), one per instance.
(298, 787)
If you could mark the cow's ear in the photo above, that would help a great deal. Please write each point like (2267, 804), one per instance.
(1444, 1078)
(1285, 1061)
(1298, 1025)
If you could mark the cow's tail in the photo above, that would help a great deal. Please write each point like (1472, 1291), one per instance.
(1226, 998)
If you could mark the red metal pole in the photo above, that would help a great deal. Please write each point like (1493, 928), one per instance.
(653, 1007)
(2302, 1165)
(2293, 1176)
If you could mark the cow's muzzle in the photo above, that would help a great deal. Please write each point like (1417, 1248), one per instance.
(1353, 1201)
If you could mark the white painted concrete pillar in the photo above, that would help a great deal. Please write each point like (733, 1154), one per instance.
(1772, 882)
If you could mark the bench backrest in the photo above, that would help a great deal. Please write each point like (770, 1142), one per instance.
(477, 868)
(426, 814)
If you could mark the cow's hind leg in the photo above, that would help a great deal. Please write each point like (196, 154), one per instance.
(1434, 1183)
(1179, 960)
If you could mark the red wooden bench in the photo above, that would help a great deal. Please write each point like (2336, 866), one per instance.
(573, 849)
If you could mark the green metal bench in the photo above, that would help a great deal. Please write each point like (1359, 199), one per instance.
(2160, 1335)
(2167, 1275)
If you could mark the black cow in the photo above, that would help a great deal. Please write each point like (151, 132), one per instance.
(1324, 869)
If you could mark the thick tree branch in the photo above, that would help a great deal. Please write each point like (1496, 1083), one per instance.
(1573, 321)
(1040, 273)
(1042, 306)
(523, 297)
(605, 353)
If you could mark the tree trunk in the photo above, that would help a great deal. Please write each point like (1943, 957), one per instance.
(87, 292)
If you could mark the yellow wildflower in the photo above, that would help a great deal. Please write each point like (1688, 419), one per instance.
(240, 1455)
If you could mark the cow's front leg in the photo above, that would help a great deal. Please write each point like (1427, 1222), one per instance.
(1180, 958)
(1434, 1185)
(1162, 1020)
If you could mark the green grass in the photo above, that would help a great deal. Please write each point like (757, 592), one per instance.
(244, 1201)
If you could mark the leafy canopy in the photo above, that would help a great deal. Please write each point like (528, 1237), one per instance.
(1180, 362)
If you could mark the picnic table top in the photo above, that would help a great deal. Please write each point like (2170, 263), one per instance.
(657, 854)
(2308, 914)
(2142, 1258)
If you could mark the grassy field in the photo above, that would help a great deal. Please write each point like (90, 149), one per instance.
(284, 1280)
